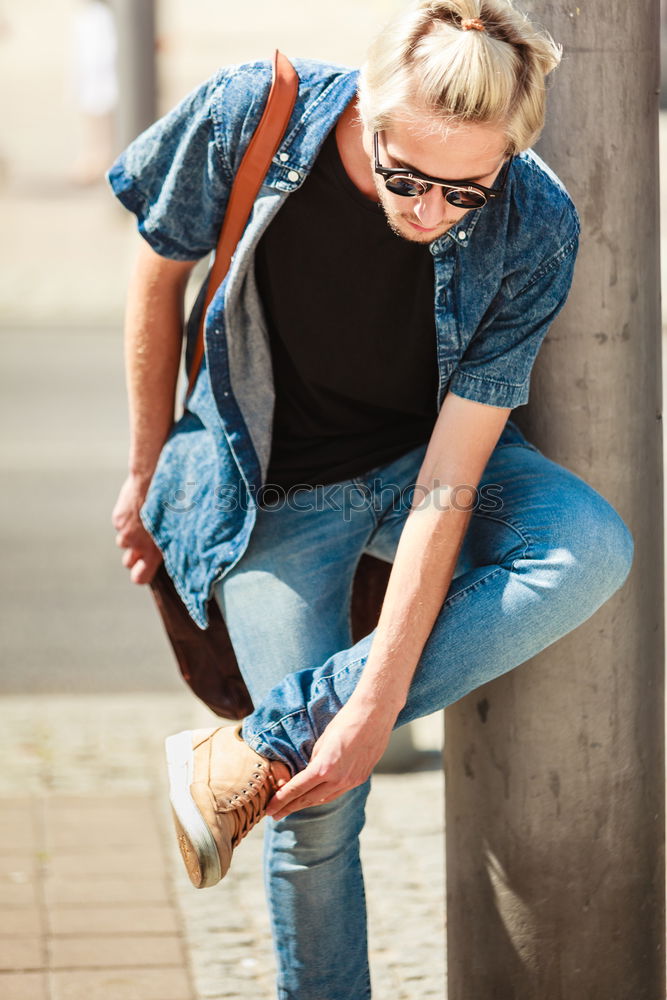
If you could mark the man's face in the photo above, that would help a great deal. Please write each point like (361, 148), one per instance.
(471, 152)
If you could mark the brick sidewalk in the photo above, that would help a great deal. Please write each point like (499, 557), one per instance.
(87, 907)
(94, 900)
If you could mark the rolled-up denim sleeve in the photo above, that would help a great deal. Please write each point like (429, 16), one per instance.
(498, 361)
(174, 178)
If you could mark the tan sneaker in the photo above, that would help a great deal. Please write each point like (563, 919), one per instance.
(218, 789)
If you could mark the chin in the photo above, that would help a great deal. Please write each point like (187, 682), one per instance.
(403, 228)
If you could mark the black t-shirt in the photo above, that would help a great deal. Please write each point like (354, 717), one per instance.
(349, 307)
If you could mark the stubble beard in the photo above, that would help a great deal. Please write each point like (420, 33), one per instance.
(400, 226)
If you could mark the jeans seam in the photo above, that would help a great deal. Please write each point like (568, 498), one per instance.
(449, 601)
(350, 590)
(520, 530)
(517, 444)
(337, 673)
(257, 737)
(359, 482)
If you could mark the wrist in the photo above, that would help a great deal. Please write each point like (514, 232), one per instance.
(377, 706)
(140, 474)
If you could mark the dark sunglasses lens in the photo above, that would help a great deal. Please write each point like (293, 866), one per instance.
(405, 186)
(465, 199)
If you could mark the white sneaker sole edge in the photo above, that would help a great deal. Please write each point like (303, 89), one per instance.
(189, 822)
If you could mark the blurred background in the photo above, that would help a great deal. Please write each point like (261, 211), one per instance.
(76, 79)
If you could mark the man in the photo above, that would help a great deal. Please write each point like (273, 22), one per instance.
(404, 260)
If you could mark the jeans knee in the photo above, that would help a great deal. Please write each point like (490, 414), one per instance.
(602, 546)
(584, 555)
(613, 547)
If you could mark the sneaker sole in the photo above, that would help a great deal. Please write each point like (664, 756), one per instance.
(195, 840)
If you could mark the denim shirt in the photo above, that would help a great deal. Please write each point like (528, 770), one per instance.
(501, 276)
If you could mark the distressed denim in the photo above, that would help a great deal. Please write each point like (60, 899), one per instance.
(501, 276)
(542, 552)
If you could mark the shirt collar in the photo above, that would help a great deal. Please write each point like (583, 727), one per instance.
(459, 233)
(301, 145)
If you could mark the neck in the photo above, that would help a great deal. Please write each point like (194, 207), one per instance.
(349, 139)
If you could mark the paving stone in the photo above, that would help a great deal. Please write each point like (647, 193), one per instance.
(59, 890)
(17, 829)
(58, 805)
(112, 920)
(105, 862)
(68, 837)
(121, 984)
(108, 951)
(133, 818)
(21, 953)
(17, 892)
(23, 986)
(12, 864)
(20, 920)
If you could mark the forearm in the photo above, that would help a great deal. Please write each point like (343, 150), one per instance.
(420, 578)
(463, 438)
(153, 337)
(351, 744)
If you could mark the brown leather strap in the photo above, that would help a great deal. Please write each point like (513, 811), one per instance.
(249, 177)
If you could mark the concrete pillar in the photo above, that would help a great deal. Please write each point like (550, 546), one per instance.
(137, 106)
(555, 837)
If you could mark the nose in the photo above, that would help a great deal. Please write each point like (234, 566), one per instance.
(430, 208)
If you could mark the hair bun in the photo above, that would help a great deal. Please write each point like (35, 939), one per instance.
(472, 24)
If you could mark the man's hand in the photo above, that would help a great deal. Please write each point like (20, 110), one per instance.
(153, 339)
(343, 757)
(142, 556)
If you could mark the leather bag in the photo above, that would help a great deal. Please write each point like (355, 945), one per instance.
(206, 658)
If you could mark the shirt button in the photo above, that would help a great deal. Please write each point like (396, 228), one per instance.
(462, 234)
(293, 175)
(283, 157)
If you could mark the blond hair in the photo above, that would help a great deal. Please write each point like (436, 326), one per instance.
(427, 68)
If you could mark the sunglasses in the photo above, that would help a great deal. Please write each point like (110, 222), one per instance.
(462, 194)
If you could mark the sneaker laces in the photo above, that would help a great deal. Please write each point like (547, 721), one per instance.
(250, 802)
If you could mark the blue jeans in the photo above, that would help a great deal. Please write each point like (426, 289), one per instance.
(542, 552)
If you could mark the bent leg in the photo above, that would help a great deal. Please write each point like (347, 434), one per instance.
(286, 606)
(532, 568)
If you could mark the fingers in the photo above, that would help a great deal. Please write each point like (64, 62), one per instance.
(139, 573)
(145, 567)
(304, 802)
(130, 557)
(131, 535)
(142, 561)
(135, 538)
(141, 555)
(307, 787)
